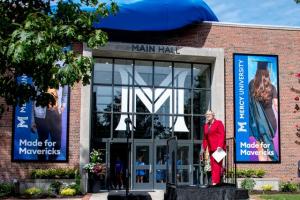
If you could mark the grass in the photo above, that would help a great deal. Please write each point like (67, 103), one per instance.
(281, 197)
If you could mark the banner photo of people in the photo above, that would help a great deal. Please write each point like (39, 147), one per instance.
(41, 133)
(256, 108)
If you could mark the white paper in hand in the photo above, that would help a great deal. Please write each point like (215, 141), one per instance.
(219, 154)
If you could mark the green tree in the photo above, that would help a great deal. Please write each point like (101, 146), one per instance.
(297, 1)
(32, 38)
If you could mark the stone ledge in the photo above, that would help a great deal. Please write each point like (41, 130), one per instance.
(262, 181)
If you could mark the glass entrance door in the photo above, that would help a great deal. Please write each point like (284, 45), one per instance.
(160, 169)
(143, 166)
(184, 164)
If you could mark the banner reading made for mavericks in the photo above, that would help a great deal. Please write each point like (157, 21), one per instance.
(256, 108)
(41, 133)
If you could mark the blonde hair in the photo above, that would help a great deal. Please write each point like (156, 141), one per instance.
(209, 112)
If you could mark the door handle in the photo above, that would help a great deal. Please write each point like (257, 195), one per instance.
(190, 169)
(150, 169)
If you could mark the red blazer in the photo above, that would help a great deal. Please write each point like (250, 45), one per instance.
(215, 137)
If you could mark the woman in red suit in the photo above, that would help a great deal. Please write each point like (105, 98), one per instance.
(214, 138)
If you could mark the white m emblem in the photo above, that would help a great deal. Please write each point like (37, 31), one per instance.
(160, 96)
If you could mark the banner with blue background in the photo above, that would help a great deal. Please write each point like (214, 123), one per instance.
(40, 133)
(256, 108)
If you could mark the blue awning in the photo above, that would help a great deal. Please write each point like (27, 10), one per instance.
(155, 15)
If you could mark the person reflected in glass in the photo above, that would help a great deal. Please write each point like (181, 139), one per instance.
(263, 106)
(214, 140)
(160, 173)
(140, 173)
(119, 173)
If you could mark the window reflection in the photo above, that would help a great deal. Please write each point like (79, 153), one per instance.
(116, 121)
(201, 76)
(182, 75)
(123, 73)
(143, 73)
(161, 153)
(201, 101)
(117, 107)
(182, 123)
(144, 101)
(163, 74)
(103, 123)
(198, 123)
(103, 71)
(161, 126)
(143, 126)
(103, 101)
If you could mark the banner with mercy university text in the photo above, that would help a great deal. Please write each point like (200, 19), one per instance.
(41, 133)
(256, 108)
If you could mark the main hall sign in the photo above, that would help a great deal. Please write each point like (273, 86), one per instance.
(148, 48)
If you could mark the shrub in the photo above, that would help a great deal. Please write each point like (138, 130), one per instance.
(68, 192)
(260, 173)
(250, 173)
(288, 187)
(248, 184)
(6, 189)
(58, 173)
(33, 191)
(55, 187)
(267, 187)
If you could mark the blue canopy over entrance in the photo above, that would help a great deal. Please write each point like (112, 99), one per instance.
(154, 15)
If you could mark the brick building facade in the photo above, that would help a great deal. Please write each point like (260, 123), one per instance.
(232, 38)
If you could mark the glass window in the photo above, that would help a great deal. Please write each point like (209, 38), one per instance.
(143, 126)
(161, 126)
(102, 125)
(182, 127)
(201, 101)
(117, 107)
(163, 74)
(201, 76)
(198, 124)
(161, 153)
(182, 75)
(143, 73)
(182, 101)
(103, 98)
(119, 125)
(182, 155)
(197, 149)
(123, 73)
(162, 100)
(144, 96)
(103, 71)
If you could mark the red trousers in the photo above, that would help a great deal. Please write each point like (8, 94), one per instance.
(216, 169)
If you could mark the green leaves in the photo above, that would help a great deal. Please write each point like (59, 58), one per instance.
(32, 39)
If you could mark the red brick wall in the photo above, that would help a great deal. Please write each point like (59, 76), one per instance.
(10, 170)
(234, 39)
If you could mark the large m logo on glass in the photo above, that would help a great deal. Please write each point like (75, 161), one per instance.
(161, 95)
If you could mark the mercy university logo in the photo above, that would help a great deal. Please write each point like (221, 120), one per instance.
(160, 96)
